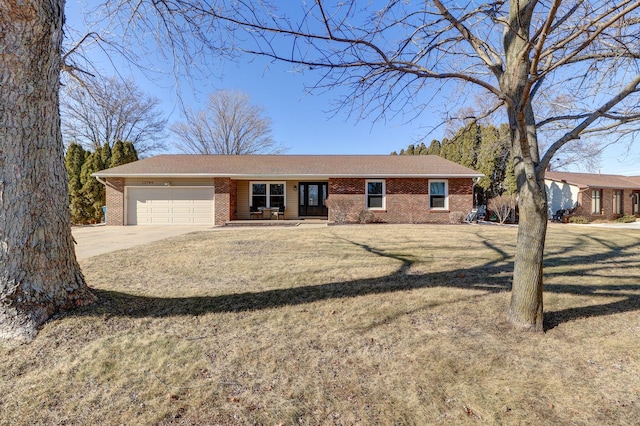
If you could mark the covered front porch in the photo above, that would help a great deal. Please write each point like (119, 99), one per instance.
(281, 222)
(280, 200)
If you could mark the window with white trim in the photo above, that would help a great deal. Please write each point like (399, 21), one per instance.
(266, 194)
(438, 194)
(375, 194)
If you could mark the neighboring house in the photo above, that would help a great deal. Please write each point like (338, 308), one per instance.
(595, 196)
(216, 189)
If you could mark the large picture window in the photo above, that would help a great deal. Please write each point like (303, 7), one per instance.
(375, 195)
(438, 194)
(266, 194)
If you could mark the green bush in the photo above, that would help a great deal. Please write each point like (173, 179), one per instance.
(578, 219)
(627, 218)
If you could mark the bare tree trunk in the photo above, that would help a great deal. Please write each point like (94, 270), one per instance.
(39, 274)
(526, 292)
(526, 306)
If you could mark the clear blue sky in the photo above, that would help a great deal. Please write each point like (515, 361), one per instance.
(304, 122)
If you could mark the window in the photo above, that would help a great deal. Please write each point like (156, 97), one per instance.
(375, 195)
(259, 195)
(276, 195)
(438, 194)
(263, 194)
(596, 201)
(617, 202)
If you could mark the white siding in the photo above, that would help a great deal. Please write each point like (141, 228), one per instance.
(560, 195)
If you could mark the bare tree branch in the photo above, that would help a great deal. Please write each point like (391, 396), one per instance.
(230, 125)
(632, 87)
(99, 111)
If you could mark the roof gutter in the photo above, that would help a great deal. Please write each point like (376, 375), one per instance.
(289, 176)
(99, 179)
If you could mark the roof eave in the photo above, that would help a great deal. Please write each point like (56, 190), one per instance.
(287, 176)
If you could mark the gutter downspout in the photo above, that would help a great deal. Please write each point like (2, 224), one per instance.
(99, 179)
(104, 208)
(473, 191)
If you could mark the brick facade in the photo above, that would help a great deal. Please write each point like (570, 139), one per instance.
(115, 201)
(233, 199)
(606, 203)
(407, 200)
(223, 206)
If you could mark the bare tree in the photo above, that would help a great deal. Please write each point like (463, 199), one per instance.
(525, 55)
(39, 274)
(229, 125)
(99, 110)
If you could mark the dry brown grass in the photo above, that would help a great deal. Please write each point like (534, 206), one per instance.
(340, 325)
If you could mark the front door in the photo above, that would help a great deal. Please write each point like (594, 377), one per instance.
(635, 203)
(311, 198)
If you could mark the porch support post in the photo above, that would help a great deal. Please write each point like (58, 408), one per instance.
(224, 210)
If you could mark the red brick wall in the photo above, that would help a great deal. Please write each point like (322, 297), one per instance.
(585, 199)
(407, 200)
(223, 206)
(115, 201)
(347, 186)
(233, 199)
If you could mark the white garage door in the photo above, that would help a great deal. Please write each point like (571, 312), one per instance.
(170, 206)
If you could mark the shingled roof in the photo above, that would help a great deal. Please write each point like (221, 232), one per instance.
(592, 180)
(291, 166)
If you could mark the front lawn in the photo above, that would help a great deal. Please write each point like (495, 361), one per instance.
(373, 324)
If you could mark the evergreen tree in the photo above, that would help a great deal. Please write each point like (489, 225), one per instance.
(130, 153)
(450, 150)
(92, 192)
(509, 184)
(467, 141)
(410, 150)
(117, 154)
(422, 149)
(74, 160)
(434, 148)
(485, 148)
(123, 153)
(105, 155)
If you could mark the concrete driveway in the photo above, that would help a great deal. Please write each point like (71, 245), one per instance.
(100, 239)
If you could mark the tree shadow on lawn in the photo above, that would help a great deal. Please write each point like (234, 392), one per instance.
(491, 277)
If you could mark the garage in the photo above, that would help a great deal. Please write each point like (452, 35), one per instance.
(169, 206)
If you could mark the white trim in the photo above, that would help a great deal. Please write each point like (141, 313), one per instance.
(446, 194)
(126, 197)
(267, 182)
(384, 194)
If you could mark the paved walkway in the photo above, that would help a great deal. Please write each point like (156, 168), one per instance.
(100, 239)
(630, 226)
